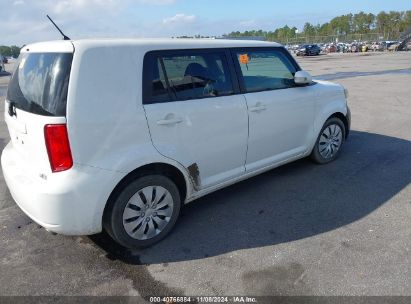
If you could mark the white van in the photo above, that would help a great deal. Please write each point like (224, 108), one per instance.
(121, 145)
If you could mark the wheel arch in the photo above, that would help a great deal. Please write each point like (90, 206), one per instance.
(344, 119)
(314, 152)
(321, 121)
(168, 170)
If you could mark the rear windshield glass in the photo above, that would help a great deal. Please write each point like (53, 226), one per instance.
(40, 83)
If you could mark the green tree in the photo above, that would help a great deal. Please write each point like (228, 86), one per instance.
(15, 51)
(390, 25)
(394, 23)
(363, 23)
(405, 23)
(341, 25)
(5, 50)
(309, 29)
(325, 29)
(383, 23)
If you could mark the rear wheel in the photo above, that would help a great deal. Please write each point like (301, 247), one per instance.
(144, 212)
(329, 141)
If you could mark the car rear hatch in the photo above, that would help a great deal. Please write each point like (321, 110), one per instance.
(37, 97)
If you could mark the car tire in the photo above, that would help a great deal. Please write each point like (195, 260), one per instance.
(329, 141)
(143, 212)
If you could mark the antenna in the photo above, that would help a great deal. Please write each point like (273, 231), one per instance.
(64, 36)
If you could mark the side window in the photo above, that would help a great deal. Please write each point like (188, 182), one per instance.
(192, 75)
(266, 70)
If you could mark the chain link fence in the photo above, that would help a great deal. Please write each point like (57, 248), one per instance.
(370, 37)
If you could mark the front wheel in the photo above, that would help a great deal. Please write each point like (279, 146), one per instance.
(329, 141)
(144, 212)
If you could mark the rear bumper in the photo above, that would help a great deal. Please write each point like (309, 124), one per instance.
(70, 202)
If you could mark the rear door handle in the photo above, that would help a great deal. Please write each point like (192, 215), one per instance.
(258, 108)
(170, 121)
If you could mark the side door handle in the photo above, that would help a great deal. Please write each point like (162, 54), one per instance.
(169, 121)
(258, 107)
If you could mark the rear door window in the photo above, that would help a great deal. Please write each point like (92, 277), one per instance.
(40, 83)
(188, 75)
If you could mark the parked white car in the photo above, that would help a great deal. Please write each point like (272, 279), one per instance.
(120, 146)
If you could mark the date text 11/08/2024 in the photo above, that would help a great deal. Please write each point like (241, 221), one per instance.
(203, 299)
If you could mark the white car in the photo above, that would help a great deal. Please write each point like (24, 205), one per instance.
(120, 146)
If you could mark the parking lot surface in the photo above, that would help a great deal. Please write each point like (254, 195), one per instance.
(301, 229)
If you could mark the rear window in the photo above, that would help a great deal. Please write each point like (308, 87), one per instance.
(40, 83)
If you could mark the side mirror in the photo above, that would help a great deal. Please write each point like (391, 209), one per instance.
(302, 77)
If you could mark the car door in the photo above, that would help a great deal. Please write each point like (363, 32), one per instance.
(281, 114)
(195, 113)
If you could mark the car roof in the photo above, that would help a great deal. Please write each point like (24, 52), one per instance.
(148, 43)
(179, 42)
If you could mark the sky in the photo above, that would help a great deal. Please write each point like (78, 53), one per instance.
(24, 21)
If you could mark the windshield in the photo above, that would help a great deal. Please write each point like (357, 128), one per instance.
(40, 83)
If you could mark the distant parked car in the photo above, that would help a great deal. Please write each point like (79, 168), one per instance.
(393, 47)
(377, 47)
(294, 48)
(355, 48)
(364, 48)
(388, 44)
(308, 50)
(331, 48)
(11, 59)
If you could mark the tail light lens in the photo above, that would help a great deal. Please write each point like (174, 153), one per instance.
(58, 147)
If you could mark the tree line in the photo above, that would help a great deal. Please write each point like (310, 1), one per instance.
(10, 51)
(387, 24)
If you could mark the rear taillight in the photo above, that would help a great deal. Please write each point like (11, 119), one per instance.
(58, 147)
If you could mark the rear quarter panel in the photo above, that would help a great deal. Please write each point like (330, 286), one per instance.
(106, 122)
